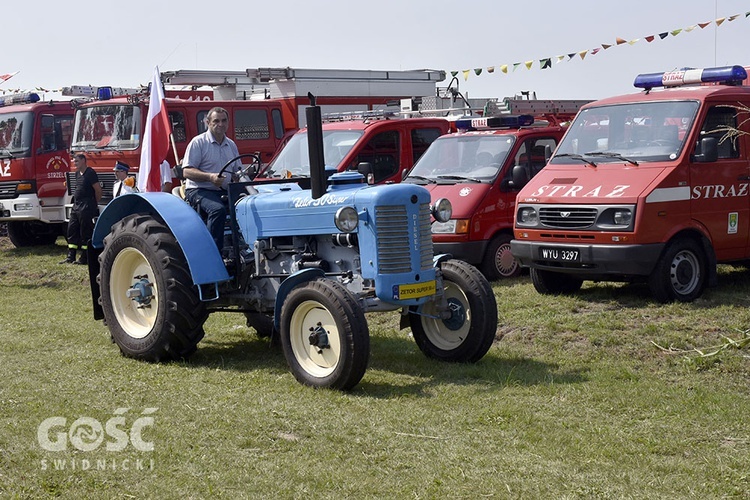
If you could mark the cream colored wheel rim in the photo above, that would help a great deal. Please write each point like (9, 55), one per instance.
(306, 317)
(135, 321)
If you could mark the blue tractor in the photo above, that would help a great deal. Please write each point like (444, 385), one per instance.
(302, 264)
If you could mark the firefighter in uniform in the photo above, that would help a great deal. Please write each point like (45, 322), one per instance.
(124, 184)
(86, 198)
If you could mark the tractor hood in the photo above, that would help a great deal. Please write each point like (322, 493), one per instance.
(285, 209)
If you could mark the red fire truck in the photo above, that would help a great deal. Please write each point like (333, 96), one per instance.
(472, 168)
(264, 107)
(650, 187)
(379, 144)
(34, 138)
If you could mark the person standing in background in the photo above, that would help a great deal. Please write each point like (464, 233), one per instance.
(124, 183)
(86, 198)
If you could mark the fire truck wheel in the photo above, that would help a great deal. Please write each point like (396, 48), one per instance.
(468, 333)
(33, 233)
(552, 283)
(324, 335)
(680, 274)
(147, 293)
(499, 263)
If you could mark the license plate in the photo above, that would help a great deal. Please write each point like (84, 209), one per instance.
(560, 254)
(416, 290)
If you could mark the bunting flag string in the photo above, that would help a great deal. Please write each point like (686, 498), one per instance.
(546, 62)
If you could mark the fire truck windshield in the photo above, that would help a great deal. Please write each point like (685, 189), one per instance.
(471, 156)
(635, 132)
(107, 127)
(15, 134)
(294, 159)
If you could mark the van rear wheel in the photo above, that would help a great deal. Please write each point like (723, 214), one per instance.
(499, 263)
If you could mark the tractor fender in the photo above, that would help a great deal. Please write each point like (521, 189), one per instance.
(438, 259)
(287, 286)
(203, 258)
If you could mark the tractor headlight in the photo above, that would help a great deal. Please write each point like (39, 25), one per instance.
(442, 210)
(346, 219)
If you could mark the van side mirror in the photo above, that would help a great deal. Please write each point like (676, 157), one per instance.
(519, 177)
(365, 168)
(709, 150)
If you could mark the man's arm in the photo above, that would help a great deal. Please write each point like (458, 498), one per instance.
(196, 175)
(97, 191)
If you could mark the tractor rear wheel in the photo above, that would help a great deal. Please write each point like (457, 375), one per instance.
(147, 294)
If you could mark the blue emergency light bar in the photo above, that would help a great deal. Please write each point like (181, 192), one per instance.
(505, 121)
(104, 93)
(25, 98)
(730, 75)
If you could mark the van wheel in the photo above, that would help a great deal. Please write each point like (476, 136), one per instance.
(499, 263)
(552, 283)
(680, 274)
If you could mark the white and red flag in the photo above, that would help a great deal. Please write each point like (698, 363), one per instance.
(7, 76)
(155, 144)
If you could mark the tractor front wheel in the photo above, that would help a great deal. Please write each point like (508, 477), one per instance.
(467, 334)
(324, 335)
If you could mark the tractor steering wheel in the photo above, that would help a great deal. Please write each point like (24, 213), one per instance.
(248, 172)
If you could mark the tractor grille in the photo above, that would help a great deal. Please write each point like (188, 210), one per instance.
(567, 217)
(397, 239)
(8, 190)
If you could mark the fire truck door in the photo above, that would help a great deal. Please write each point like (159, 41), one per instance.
(720, 190)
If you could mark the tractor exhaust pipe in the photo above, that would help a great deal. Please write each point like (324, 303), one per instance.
(315, 148)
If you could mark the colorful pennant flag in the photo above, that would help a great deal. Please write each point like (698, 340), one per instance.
(7, 76)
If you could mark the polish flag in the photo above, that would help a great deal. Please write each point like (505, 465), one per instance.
(8, 76)
(155, 144)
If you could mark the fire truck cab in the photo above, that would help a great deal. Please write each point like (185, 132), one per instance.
(378, 144)
(265, 106)
(650, 187)
(34, 139)
(109, 130)
(473, 169)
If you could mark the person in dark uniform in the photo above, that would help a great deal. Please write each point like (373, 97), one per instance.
(86, 198)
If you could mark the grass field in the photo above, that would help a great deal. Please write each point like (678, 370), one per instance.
(605, 394)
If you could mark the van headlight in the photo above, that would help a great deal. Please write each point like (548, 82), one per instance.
(442, 210)
(622, 217)
(527, 216)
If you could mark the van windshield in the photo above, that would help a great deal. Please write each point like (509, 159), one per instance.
(294, 158)
(16, 134)
(107, 127)
(638, 132)
(453, 157)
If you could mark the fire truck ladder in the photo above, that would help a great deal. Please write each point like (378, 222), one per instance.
(554, 111)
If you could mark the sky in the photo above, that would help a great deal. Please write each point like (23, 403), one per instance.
(120, 43)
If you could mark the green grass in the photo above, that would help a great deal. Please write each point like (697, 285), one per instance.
(575, 401)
